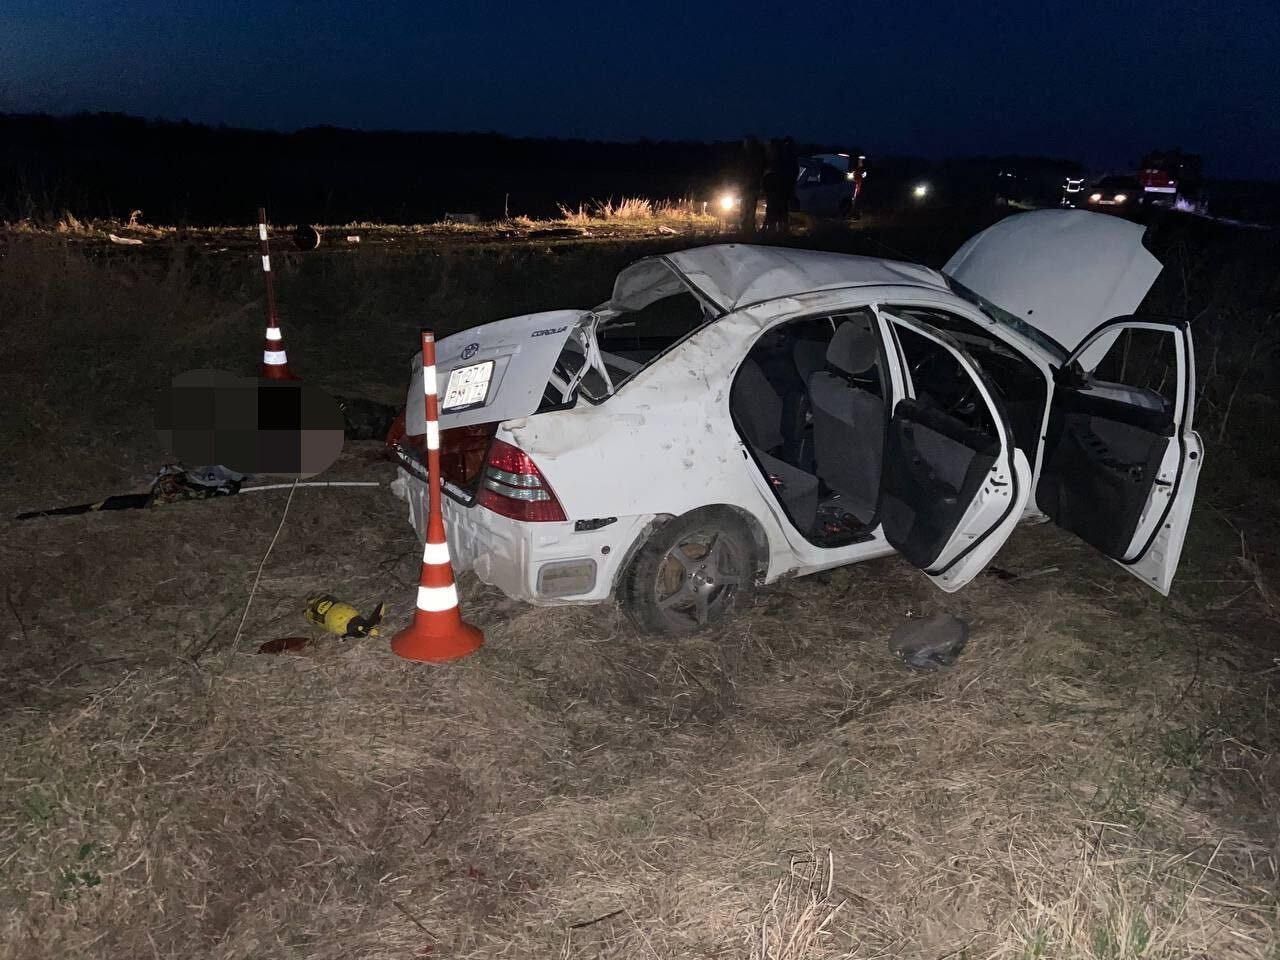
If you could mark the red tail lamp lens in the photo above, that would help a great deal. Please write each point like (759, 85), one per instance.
(513, 487)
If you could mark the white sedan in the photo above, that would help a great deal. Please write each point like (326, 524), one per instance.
(734, 414)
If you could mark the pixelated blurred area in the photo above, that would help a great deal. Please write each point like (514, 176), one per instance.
(250, 425)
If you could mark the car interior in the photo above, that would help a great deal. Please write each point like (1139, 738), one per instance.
(1019, 384)
(809, 400)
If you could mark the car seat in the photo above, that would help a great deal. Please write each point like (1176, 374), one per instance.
(849, 421)
(757, 409)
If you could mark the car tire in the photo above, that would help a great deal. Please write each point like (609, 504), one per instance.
(691, 574)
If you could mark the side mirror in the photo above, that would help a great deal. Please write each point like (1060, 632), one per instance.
(1072, 376)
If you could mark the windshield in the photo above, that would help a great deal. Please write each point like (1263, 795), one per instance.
(652, 310)
(1007, 319)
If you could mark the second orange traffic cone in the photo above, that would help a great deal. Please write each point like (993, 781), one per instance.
(438, 632)
(275, 361)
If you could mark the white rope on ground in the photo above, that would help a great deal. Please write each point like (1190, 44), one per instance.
(235, 642)
(318, 483)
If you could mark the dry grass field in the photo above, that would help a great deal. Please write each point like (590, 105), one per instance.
(1095, 779)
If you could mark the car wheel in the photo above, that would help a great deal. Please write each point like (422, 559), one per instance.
(691, 573)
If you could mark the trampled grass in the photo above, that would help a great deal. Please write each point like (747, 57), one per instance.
(1094, 780)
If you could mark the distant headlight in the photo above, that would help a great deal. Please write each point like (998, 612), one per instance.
(728, 201)
(920, 191)
(1095, 197)
(849, 175)
(1121, 197)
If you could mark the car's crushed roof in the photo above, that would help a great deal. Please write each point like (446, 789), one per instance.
(735, 275)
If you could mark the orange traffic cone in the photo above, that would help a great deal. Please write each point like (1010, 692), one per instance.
(275, 362)
(437, 632)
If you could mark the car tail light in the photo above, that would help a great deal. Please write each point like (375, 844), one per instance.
(396, 432)
(513, 487)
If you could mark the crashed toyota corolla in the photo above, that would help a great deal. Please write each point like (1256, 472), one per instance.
(735, 414)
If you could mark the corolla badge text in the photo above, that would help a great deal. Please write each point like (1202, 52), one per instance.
(549, 331)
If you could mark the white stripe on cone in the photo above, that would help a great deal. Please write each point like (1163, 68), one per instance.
(435, 553)
(273, 333)
(266, 263)
(429, 381)
(275, 358)
(437, 599)
(262, 231)
(433, 435)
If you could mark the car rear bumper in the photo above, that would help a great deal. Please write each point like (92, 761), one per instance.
(540, 563)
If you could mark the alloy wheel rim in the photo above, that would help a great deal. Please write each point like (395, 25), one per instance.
(697, 578)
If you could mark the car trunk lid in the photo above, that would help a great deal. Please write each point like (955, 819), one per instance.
(495, 372)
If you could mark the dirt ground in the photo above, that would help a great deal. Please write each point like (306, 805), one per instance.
(1095, 778)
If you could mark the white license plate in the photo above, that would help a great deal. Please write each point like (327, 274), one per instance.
(468, 387)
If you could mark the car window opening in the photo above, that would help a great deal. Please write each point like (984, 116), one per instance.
(809, 402)
(942, 445)
(652, 310)
(1139, 367)
(1018, 383)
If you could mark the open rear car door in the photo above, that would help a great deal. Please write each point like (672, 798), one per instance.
(953, 485)
(1121, 460)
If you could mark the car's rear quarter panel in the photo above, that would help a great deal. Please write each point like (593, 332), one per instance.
(665, 444)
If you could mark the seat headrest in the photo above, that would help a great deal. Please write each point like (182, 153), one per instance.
(853, 348)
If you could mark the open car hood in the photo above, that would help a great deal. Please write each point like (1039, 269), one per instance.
(1064, 272)
(522, 350)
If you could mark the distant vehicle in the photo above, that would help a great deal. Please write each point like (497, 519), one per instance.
(735, 414)
(1029, 183)
(1115, 195)
(841, 161)
(1072, 192)
(1167, 175)
(1014, 189)
(824, 188)
(1158, 186)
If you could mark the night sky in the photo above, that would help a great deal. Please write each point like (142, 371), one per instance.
(1097, 81)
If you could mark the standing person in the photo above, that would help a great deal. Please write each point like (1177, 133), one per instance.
(780, 188)
(776, 189)
(752, 174)
(859, 174)
(791, 170)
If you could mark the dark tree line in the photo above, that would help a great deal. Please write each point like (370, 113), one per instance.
(106, 165)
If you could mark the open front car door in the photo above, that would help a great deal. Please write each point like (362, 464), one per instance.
(954, 485)
(1121, 459)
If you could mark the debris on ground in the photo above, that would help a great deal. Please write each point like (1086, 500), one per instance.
(930, 644)
(1008, 576)
(172, 484)
(365, 419)
(552, 233)
(286, 645)
(124, 241)
(342, 619)
(306, 237)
